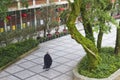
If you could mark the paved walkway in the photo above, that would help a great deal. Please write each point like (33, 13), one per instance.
(65, 53)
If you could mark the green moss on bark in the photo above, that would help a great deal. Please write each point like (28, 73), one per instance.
(88, 45)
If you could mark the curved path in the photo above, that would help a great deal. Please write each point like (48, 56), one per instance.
(65, 53)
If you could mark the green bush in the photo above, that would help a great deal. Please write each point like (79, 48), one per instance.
(13, 51)
(109, 64)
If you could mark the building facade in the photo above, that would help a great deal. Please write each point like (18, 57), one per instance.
(19, 17)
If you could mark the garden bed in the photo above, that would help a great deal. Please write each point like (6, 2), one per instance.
(14, 52)
(108, 69)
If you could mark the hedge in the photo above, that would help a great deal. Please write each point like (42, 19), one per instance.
(12, 51)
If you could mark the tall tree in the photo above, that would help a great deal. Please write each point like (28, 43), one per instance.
(87, 17)
(48, 15)
(117, 46)
(103, 9)
(88, 45)
(95, 15)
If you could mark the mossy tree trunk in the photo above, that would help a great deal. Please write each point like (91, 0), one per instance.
(117, 46)
(99, 40)
(87, 25)
(88, 31)
(100, 34)
(88, 45)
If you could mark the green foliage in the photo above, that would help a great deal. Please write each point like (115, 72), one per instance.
(53, 24)
(7, 37)
(64, 16)
(13, 51)
(48, 15)
(18, 34)
(5, 4)
(109, 64)
(24, 3)
(98, 14)
(109, 50)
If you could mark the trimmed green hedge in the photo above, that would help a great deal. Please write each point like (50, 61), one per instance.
(13, 51)
(109, 64)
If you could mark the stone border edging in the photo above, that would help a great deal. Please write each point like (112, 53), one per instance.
(77, 76)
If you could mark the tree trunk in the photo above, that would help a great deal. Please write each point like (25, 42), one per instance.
(87, 26)
(117, 46)
(89, 32)
(45, 29)
(88, 45)
(99, 40)
(44, 32)
(100, 34)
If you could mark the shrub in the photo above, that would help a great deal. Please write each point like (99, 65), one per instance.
(13, 51)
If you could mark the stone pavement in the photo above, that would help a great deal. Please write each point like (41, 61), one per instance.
(65, 53)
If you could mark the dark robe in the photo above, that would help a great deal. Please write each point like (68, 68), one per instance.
(47, 61)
